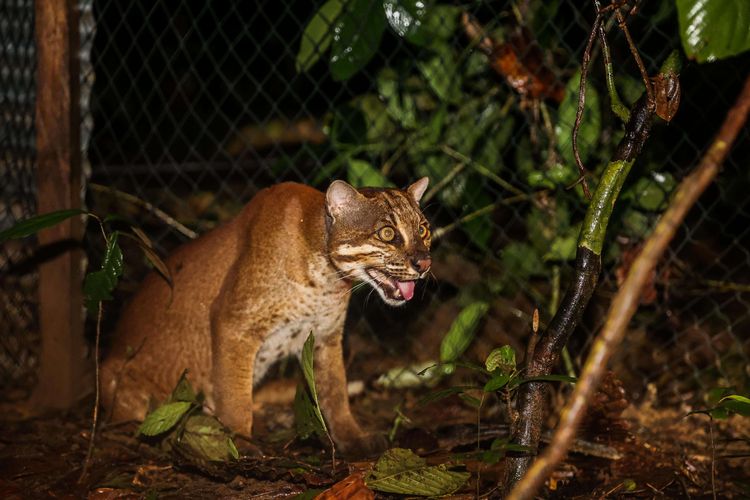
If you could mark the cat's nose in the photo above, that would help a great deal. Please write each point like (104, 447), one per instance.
(421, 264)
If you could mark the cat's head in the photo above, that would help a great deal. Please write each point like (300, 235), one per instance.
(379, 236)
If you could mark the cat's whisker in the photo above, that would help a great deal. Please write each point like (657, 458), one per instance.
(367, 299)
(350, 291)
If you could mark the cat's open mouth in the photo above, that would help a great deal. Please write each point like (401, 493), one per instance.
(393, 289)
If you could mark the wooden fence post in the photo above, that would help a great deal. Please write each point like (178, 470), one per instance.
(58, 121)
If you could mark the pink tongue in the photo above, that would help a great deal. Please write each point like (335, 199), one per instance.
(407, 289)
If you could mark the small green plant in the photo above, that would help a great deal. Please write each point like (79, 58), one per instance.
(499, 373)
(180, 426)
(308, 419)
(724, 402)
(99, 284)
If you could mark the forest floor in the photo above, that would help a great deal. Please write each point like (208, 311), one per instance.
(626, 451)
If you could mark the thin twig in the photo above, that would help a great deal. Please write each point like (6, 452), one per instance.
(487, 209)
(388, 164)
(159, 214)
(634, 50)
(442, 231)
(457, 169)
(627, 299)
(582, 104)
(457, 155)
(618, 108)
(713, 455)
(97, 393)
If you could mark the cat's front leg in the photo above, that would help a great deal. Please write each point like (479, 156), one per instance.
(330, 382)
(233, 352)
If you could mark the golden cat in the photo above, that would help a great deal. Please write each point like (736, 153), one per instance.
(250, 291)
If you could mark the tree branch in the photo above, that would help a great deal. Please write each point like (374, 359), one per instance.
(626, 301)
(532, 396)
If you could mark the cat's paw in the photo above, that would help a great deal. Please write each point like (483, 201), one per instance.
(364, 445)
(247, 448)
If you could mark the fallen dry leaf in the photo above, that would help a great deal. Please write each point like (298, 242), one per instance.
(352, 487)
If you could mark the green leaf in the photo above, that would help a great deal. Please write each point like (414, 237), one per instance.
(588, 133)
(494, 143)
(400, 105)
(405, 18)
(440, 73)
(437, 167)
(184, 391)
(651, 193)
(720, 413)
(501, 358)
(98, 285)
(520, 260)
(306, 420)
(438, 24)
(736, 397)
(736, 403)
(714, 29)
(205, 439)
(317, 36)
(403, 472)
(557, 175)
(361, 173)
(472, 123)
(378, 123)
(421, 23)
(425, 374)
(442, 394)
(163, 418)
(714, 396)
(497, 382)
(505, 444)
(471, 400)
(479, 229)
(356, 37)
(462, 331)
(499, 448)
(562, 248)
(636, 223)
(307, 369)
(37, 223)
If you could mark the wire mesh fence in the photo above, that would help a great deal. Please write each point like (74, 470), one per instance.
(19, 337)
(197, 105)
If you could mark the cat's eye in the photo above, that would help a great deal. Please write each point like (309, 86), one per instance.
(387, 233)
(424, 231)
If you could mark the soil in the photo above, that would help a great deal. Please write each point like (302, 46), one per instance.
(628, 451)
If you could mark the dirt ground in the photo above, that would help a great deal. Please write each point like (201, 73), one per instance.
(626, 451)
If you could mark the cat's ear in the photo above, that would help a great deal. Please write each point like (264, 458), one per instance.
(339, 197)
(417, 189)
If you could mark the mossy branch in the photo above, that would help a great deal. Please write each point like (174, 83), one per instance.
(625, 302)
(532, 396)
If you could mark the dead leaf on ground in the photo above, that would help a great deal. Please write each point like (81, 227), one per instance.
(352, 487)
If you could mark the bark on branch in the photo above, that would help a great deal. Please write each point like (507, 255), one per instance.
(626, 301)
(532, 396)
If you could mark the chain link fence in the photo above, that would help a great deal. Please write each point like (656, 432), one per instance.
(197, 105)
(19, 339)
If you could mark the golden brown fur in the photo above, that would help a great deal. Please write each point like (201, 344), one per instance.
(250, 291)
